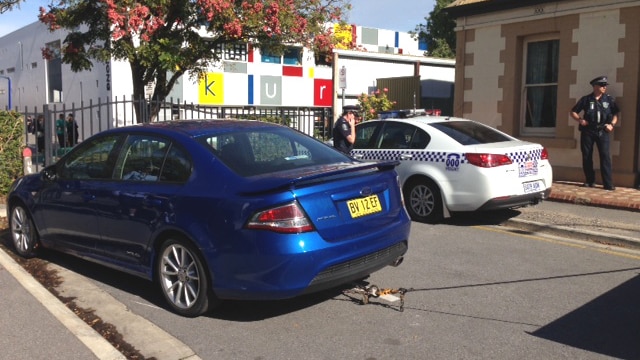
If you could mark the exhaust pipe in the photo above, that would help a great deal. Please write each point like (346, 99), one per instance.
(397, 261)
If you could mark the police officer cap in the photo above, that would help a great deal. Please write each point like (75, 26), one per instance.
(350, 108)
(600, 80)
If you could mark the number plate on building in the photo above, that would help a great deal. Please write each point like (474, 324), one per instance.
(364, 206)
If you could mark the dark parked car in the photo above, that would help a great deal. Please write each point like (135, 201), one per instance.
(215, 210)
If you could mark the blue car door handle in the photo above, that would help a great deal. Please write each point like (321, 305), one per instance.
(151, 201)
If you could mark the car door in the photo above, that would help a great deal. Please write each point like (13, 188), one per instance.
(140, 198)
(391, 140)
(67, 205)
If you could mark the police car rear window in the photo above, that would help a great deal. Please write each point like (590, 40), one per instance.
(470, 133)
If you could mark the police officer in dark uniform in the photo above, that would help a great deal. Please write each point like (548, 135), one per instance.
(344, 131)
(600, 114)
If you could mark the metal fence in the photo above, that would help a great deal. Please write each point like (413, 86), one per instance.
(95, 117)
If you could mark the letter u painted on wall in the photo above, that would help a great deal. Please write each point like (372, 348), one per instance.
(270, 90)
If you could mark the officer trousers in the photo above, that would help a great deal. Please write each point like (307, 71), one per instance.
(601, 140)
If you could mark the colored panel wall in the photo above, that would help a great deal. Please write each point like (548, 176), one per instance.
(322, 92)
(270, 90)
(235, 67)
(292, 71)
(344, 35)
(211, 89)
(369, 36)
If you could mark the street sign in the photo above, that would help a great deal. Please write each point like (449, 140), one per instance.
(342, 78)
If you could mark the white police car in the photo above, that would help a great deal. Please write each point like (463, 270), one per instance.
(452, 164)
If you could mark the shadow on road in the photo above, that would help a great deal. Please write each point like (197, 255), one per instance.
(494, 217)
(229, 310)
(608, 325)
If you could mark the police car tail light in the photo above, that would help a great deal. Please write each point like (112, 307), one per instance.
(288, 219)
(544, 155)
(488, 160)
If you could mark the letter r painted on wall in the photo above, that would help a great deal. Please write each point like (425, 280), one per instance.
(322, 92)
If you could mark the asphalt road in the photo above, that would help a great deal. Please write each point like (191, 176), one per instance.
(476, 289)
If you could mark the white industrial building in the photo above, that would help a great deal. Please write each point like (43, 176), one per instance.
(244, 78)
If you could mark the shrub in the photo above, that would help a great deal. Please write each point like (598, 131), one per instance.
(11, 145)
(372, 104)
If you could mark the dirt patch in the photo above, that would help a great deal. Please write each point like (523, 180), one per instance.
(49, 278)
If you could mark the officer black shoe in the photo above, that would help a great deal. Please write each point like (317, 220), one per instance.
(610, 188)
(588, 185)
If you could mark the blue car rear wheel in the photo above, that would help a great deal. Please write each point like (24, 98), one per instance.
(183, 279)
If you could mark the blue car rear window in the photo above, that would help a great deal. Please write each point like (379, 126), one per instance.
(259, 152)
(470, 133)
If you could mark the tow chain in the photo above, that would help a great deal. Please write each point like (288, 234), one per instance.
(372, 291)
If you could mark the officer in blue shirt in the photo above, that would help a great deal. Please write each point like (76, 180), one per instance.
(599, 116)
(344, 131)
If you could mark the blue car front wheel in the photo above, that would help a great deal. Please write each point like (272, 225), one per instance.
(23, 232)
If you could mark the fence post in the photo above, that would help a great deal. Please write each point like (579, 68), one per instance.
(27, 165)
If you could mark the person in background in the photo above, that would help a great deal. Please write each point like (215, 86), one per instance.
(61, 131)
(344, 131)
(600, 115)
(72, 130)
(31, 126)
(40, 133)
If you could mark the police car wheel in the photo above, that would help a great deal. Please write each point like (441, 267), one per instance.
(423, 200)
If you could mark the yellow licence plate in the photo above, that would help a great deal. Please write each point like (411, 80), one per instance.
(364, 206)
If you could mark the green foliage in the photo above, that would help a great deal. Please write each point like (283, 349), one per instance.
(11, 144)
(372, 104)
(439, 32)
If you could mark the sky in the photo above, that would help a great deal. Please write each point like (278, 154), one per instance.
(398, 15)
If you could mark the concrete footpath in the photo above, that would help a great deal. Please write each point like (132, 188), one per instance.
(44, 328)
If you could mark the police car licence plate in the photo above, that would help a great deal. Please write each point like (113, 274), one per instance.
(532, 186)
(364, 206)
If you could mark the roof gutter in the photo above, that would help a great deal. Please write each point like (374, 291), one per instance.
(482, 7)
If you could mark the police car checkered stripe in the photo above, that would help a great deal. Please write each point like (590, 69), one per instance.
(417, 155)
(438, 156)
(524, 156)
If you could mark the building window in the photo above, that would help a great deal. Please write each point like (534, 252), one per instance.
(54, 72)
(11, 70)
(269, 57)
(232, 51)
(293, 56)
(237, 52)
(540, 87)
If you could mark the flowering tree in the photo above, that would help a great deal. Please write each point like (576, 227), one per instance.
(372, 104)
(8, 5)
(163, 40)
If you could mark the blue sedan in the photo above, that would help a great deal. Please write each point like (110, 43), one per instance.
(213, 210)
